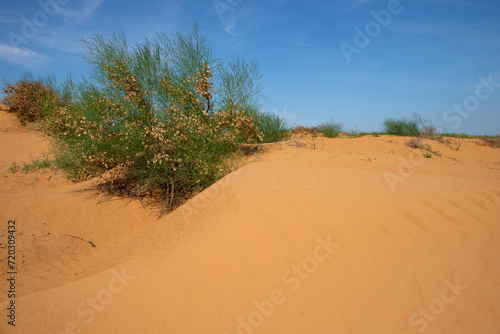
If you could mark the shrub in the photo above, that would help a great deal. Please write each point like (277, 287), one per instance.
(493, 142)
(332, 129)
(405, 126)
(151, 110)
(272, 127)
(430, 131)
(30, 99)
(414, 142)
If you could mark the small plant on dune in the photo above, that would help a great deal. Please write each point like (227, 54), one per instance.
(414, 142)
(14, 168)
(30, 99)
(331, 129)
(273, 127)
(427, 154)
(405, 126)
(43, 162)
(429, 131)
(34, 164)
(305, 137)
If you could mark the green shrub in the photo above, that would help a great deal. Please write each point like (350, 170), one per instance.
(272, 127)
(404, 126)
(152, 109)
(332, 129)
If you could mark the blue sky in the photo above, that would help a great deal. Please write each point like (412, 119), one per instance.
(356, 61)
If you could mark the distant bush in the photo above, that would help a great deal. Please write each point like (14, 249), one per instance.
(405, 126)
(331, 129)
(30, 99)
(490, 141)
(311, 130)
(272, 127)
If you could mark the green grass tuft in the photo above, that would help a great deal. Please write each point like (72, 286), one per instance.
(34, 164)
(404, 126)
(272, 127)
(331, 129)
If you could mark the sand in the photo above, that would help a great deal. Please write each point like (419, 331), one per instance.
(357, 236)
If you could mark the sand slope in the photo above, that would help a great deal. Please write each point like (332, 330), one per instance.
(362, 236)
(49, 209)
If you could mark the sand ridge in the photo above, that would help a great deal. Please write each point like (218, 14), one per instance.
(362, 236)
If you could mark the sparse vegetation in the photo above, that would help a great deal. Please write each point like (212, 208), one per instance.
(166, 119)
(34, 164)
(414, 142)
(300, 129)
(306, 140)
(331, 129)
(493, 142)
(404, 126)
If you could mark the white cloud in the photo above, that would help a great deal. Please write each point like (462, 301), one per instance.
(21, 56)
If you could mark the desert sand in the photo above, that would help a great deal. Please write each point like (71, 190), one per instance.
(357, 236)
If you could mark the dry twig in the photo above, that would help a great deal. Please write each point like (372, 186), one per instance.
(90, 242)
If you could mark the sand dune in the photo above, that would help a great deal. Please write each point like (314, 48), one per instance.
(361, 236)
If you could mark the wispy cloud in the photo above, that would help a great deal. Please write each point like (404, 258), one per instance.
(302, 38)
(63, 40)
(355, 4)
(84, 12)
(239, 18)
(10, 17)
(21, 56)
(229, 28)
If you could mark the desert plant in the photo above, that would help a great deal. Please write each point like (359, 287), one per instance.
(414, 142)
(490, 141)
(429, 131)
(238, 81)
(331, 129)
(14, 168)
(43, 162)
(404, 126)
(150, 109)
(300, 129)
(305, 140)
(31, 99)
(272, 127)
